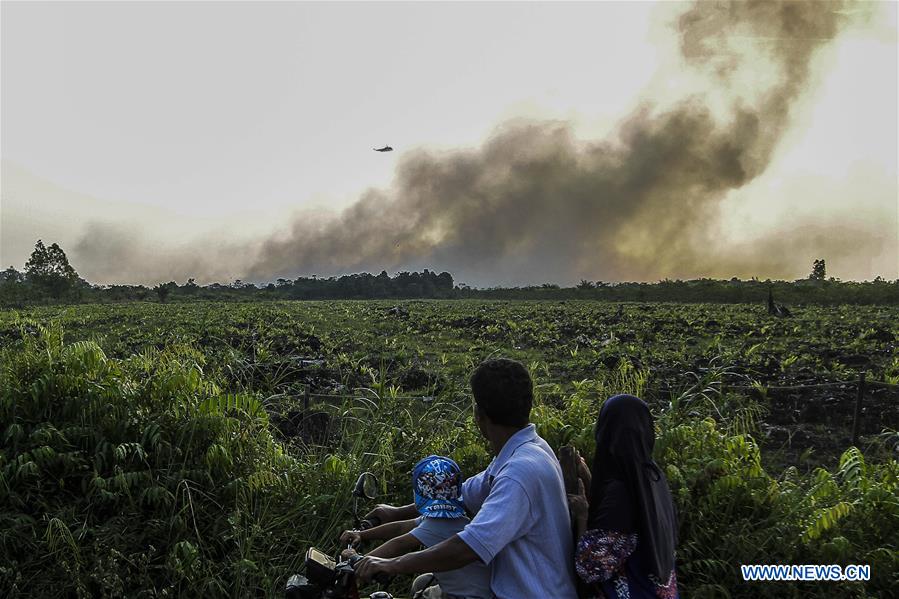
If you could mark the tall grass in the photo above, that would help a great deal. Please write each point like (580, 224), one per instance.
(145, 477)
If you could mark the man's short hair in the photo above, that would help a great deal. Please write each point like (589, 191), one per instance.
(503, 390)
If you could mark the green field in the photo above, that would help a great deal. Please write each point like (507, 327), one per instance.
(162, 449)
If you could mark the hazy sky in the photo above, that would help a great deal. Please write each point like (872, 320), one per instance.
(164, 140)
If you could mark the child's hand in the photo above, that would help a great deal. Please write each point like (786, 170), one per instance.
(383, 513)
(351, 537)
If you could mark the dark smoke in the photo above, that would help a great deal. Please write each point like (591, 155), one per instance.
(534, 204)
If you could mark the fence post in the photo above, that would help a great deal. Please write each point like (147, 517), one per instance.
(856, 423)
(306, 398)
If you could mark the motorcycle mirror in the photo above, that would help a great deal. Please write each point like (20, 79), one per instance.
(366, 486)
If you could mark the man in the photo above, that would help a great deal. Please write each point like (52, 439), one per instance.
(521, 526)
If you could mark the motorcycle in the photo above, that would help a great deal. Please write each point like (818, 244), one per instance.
(327, 578)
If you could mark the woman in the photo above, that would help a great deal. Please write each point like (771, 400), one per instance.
(627, 536)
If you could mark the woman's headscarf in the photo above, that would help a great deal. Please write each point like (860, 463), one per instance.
(625, 437)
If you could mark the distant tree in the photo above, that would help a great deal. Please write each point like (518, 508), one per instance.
(445, 283)
(13, 290)
(428, 288)
(191, 287)
(11, 275)
(819, 270)
(163, 290)
(48, 269)
(585, 284)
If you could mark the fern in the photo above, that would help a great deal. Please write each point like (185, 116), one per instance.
(826, 519)
(852, 469)
(59, 538)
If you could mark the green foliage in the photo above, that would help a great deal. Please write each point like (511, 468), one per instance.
(144, 457)
(132, 475)
(733, 512)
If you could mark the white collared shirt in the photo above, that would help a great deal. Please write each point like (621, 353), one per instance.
(521, 523)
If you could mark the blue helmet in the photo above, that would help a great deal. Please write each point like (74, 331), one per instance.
(437, 485)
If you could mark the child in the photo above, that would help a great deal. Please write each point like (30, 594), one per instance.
(437, 487)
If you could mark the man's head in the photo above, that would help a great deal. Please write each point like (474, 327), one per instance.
(503, 393)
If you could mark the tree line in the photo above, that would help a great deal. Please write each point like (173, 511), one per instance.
(48, 278)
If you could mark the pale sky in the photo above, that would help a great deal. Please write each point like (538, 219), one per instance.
(174, 122)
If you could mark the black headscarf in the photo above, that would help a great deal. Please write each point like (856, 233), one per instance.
(625, 437)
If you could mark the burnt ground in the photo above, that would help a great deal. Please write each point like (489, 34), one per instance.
(812, 427)
(306, 427)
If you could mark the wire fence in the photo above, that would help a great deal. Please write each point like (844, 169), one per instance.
(372, 394)
(861, 385)
(841, 384)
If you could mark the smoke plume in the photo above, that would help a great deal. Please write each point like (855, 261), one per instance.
(534, 203)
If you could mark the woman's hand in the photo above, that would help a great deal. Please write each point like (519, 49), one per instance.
(578, 505)
(351, 537)
(583, 473)
(369, 567)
